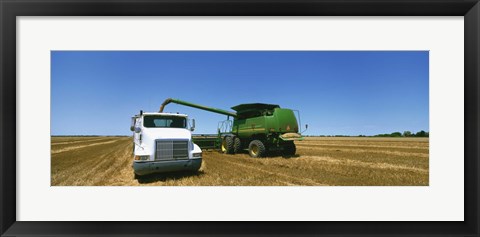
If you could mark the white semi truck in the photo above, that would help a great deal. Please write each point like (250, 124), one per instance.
(163, 143)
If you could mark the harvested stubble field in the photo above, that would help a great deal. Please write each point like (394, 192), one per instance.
(106, 161)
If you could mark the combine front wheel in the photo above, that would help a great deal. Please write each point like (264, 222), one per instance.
(237, 145)
(227, 145)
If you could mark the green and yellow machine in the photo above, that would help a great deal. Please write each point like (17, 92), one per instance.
(258, 127)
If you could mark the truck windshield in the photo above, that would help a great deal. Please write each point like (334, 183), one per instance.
(164, 122)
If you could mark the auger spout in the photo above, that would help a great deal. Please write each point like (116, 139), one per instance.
(181, 102)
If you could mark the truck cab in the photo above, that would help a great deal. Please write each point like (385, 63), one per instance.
(163, 143)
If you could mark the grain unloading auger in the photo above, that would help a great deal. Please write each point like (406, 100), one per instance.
(258, 127)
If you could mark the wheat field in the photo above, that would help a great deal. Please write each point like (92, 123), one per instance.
(320, 161)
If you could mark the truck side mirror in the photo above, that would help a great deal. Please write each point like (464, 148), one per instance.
(137, 129)
(132, 124)
(192, 128)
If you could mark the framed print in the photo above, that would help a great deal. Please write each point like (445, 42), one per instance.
(190, 118)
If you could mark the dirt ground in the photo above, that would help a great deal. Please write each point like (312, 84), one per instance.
(320, 161)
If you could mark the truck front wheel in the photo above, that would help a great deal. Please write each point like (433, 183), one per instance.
(136, 176)
(257, 149)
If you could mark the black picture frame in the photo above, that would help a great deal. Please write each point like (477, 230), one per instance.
(10, 9)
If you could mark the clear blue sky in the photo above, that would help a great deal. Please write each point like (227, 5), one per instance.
(337, 92)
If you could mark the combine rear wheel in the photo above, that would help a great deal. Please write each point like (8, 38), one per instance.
(257, 149)
(227, 145)
(237, 145)
(289, 149)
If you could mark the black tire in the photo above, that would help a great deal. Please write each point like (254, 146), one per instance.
(257, 149)
(289, 149)
(136, 176)
(227, 145)
(237, 145)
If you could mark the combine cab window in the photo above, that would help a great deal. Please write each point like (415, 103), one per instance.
(164, 122)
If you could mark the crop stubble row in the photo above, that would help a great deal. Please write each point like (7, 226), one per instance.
(320, 161)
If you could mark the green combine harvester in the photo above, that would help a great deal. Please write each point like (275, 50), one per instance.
(260, 128)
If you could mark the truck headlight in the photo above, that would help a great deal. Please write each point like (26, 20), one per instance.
(142, 157)
(199, 154)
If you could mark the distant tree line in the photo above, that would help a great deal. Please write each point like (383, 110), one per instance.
(393, 134)
(405, 134)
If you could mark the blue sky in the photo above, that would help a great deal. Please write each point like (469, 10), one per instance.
(337, 92)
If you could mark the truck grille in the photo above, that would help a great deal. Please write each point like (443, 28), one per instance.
(171, 150)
